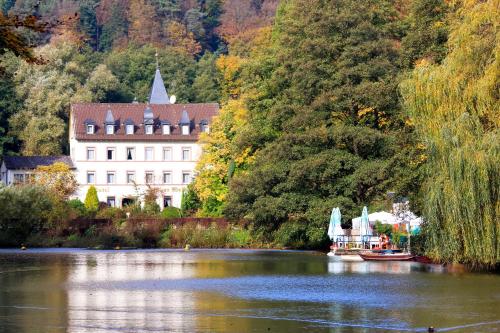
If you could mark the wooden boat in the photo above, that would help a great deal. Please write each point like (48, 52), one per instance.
(344, 255)
(386, 255)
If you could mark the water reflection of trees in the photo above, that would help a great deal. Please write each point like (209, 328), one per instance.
(31, 296)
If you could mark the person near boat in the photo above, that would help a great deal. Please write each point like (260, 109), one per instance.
(384, 242)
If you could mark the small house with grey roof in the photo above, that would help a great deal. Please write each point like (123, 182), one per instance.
(125, 148)
(19, 169)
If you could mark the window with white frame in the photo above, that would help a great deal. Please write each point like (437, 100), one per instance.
(204, 128)
(185, 129)
(111, 201)
(149, 178)
(149, 129)
(90, 129)
(129, 129)
(148, 153)
(18, 178)
(166, 129)
(167, 177)
(186, 177)
(90, 154)
(110, 129)
(130, 153)
(110, 177)
(90, 177)
(130, 177)
(167, 154)
(186, 154)
(110, 154)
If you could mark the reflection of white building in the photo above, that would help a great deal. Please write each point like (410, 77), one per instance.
(122, 148)
(112, 291)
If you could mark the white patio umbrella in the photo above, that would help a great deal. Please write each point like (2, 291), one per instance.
(334, 228)
(331, 225)
(365, 229)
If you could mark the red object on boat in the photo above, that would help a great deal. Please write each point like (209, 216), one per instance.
(386, 256)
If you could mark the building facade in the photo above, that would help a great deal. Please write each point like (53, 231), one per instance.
(125, 148)
(19, 169)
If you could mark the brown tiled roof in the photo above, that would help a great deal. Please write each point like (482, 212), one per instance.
(135, 112)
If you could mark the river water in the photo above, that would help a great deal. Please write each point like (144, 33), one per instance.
(73, 291)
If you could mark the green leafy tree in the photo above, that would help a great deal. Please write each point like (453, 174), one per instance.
(455, 109)
(190, 201)
(91, 200)
(323, 115)
(135, 67)
(9, 103)
(427, 32)
(24, 210)
(101, 86)
(206, 84)
(47, 92)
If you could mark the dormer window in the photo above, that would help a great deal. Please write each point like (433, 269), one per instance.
(185, 123)
(110, 129)
(110, 123)
(166, 129)
(89, 126)
(90, 129)
(149, 129)
(204, 126)
(129, 129)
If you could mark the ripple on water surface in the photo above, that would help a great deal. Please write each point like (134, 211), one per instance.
(235, 291)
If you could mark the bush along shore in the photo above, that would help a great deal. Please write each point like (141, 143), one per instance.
(35, 217)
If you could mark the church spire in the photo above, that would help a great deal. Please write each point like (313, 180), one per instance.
(158, 93)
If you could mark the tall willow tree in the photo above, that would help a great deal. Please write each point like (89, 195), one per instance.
(455, 107)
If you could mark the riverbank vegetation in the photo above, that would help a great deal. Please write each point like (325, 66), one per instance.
(332, 106)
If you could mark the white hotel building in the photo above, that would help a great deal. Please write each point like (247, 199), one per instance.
(122, 148)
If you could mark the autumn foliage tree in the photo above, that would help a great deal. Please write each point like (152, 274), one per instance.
(57, 178)
(455, 106)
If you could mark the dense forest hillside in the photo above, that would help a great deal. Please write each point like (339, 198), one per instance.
(195, 26)
(104, 51)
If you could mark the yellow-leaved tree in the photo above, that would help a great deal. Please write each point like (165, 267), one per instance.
(222, 157)
(455, 108)
(58, 178)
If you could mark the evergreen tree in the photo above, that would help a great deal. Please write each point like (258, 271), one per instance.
(168, 8)
(91, 200)
(114, 26)
(212, 10)
(88, 21)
